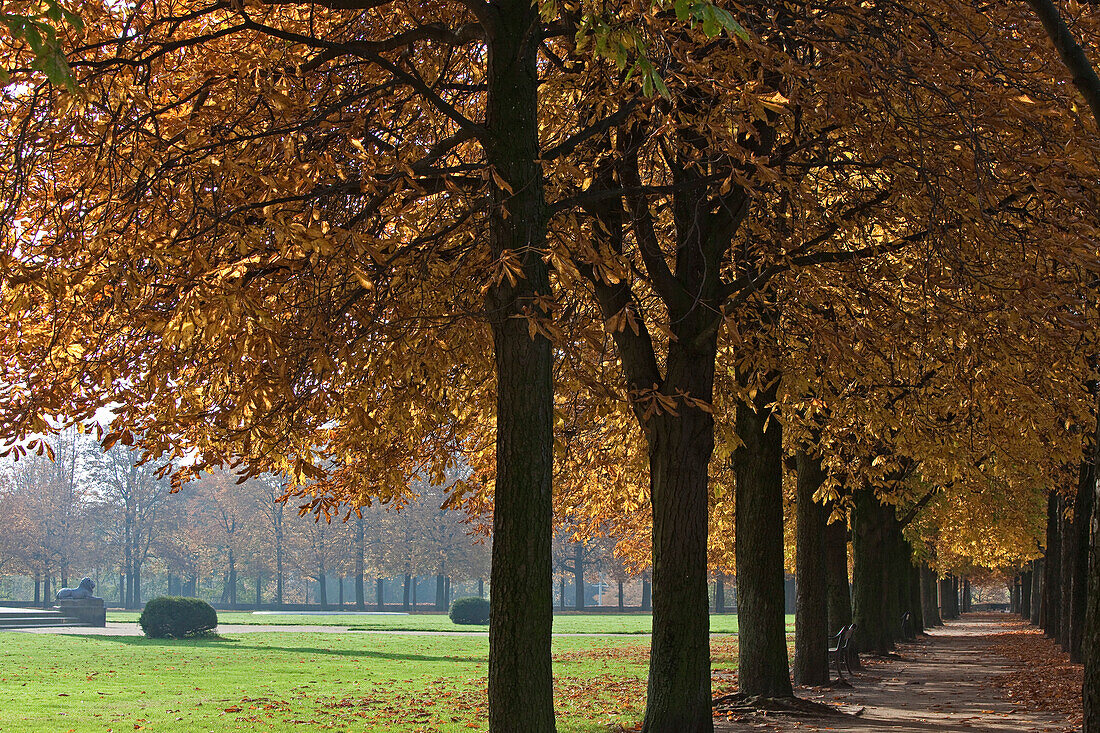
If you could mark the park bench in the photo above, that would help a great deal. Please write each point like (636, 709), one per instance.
(840, 649)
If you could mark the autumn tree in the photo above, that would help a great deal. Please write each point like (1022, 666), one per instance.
(136, 497)
(273, 181)
(318, 229)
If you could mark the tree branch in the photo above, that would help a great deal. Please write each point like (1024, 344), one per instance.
(1073, 56)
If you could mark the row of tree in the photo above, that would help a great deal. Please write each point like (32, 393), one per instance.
(629, 259)
(89, 511)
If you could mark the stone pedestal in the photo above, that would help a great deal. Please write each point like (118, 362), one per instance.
(87, 611)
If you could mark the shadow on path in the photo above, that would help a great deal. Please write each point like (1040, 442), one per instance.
(942, 682)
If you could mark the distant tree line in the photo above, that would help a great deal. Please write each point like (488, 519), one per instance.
(107, 516)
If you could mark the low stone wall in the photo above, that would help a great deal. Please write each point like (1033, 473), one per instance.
(87, 611)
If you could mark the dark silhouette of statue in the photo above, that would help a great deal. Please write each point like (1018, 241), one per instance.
(79, 593)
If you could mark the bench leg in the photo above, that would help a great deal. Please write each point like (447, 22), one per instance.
(839, 672)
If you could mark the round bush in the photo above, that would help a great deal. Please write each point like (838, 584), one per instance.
(171, 617)
(472, 610)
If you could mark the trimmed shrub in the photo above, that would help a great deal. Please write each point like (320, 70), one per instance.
(172, 617)
(472, 610)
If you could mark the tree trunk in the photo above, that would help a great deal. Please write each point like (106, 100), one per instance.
(38, 589)
(1090, 634)
(405, 594)
(892, 574)
(916, 602)
(322, 588)
(1068, 537)
(836, 575)
(647, 604)
(259, 588)
(719, 594)
(481, 587)
(278, 570)
(868, 590)
(811, 636)
(360, 594)
(1082, 512)
(680, 447)
(521, 605)
(945, 598)
(578, 576)
(620, 595)
(929, 607)
(561, 595)
(232, 580)
(762, 648)
(440, 593)
(380, 592)
(1052, 583)
(1036, 589)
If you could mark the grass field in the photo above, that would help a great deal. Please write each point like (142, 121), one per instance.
(563, 624)
(295, 681)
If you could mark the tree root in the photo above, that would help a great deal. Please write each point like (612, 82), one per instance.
(740, 703)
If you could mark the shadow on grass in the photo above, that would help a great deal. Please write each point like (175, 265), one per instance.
(221, 642)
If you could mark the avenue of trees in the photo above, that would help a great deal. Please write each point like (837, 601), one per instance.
(661, 268)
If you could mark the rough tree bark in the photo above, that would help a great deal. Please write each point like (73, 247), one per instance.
(836, 575)
(1090, 634)
(679, 456)
(521, 604)
(868, 589)
(1068, 547)
(762, 652)
(929, 601)
(1082, 512)
(1036, 589)
(811, 636)
(916, 601)
(1052, 582)
(891, 574)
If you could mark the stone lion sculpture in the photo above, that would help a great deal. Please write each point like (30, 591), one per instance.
(81, 592)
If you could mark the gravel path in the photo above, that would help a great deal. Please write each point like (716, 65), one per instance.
(941, 683)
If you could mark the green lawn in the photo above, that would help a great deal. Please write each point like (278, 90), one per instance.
(290, 681)
(565, 624)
